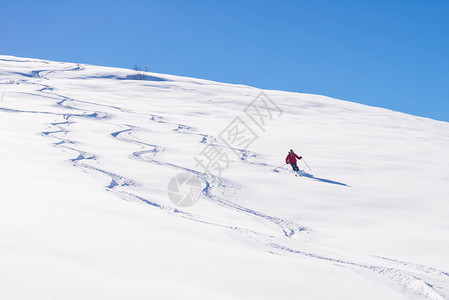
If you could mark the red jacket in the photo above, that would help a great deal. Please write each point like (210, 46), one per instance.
(291, 159)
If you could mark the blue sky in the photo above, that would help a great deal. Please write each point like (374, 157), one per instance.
(392, 54)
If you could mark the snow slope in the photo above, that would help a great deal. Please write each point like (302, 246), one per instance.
(87, 153)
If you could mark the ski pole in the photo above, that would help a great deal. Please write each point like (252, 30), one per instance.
(279, 167)
(306, 164)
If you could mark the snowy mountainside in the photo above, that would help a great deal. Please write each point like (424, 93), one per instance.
(87, 155)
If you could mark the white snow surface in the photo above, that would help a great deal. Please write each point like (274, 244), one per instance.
(87, 153)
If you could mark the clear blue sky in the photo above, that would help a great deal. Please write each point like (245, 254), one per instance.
(393, 54)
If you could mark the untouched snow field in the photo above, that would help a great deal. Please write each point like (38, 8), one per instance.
(87, 154)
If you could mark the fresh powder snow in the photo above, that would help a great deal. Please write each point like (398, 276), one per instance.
(91, 160)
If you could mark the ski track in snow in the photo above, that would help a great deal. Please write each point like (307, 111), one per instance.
(413, 279)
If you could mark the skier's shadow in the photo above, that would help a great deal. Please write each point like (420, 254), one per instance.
(302, 173)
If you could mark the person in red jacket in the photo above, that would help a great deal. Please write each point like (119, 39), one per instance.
(291, 159)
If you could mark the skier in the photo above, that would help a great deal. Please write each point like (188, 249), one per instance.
(291, 159)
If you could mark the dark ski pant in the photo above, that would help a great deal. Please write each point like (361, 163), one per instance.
(294, 166)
